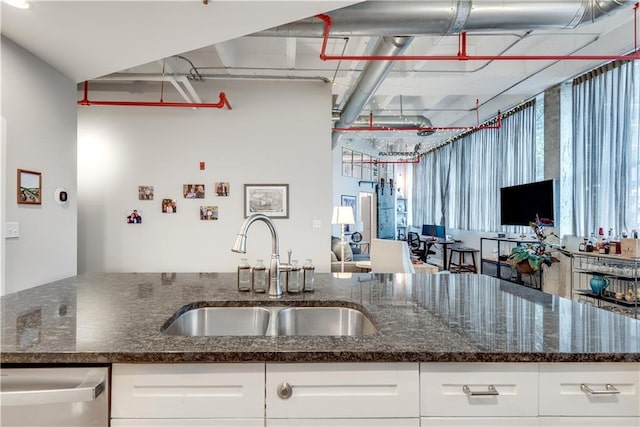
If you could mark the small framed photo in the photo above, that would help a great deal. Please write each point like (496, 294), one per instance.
(208, 213)
(271, 200)
(134, 216)
(169, 206)
(222, 189)
(29, 187)
(145, 192)
(193, 191)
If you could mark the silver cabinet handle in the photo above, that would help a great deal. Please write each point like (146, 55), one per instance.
(491, 391)
(609, 389)
(284, 391)
(81, 393)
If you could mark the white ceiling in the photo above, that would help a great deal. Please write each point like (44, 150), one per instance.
(91, 39)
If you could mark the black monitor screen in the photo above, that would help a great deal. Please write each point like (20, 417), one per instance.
(440, 233)
(428, 230)
(520, 204)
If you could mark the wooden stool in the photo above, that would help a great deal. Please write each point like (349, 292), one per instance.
(460, 266)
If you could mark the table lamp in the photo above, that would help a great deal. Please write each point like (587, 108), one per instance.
(342, 215)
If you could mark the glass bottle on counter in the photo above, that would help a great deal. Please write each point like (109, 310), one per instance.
(260, 277)
(308, 272)
(294, 282)
(244, 276)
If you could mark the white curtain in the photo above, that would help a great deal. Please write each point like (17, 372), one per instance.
(458, 185)
(606, 140)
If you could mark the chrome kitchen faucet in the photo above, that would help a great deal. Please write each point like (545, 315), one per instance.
(275, 288)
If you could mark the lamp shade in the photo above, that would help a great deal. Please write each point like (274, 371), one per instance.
(342, 215)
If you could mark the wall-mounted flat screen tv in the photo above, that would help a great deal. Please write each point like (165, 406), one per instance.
(519, 204)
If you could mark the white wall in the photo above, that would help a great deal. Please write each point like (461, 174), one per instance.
(38, 103)
(277, 132)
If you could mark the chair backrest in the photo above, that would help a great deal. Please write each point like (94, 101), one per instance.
(390, 256)
(413, 239)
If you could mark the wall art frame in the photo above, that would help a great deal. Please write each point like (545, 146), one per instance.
(271, 200)
(29, 187)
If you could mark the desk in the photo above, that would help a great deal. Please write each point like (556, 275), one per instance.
(444, 242)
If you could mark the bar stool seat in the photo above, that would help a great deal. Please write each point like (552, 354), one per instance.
(460, 266)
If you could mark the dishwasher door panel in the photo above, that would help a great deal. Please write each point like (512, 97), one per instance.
(54, 397)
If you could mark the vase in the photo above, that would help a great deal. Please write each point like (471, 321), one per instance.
(598, 284)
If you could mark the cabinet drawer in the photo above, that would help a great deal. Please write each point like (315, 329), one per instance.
(563, 396)
(589, 422)
(455, 389)
(143, 422)
(188, 391)
(345, 422)
(479, 422)
(344, 390)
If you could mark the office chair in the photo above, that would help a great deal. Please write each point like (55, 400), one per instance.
(419, 247)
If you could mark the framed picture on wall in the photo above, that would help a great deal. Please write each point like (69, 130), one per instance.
(29, 187)
(271, 200)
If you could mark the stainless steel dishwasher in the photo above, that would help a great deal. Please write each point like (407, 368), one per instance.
(54, 396)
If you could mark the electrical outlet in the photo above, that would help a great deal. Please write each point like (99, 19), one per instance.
(12, 230)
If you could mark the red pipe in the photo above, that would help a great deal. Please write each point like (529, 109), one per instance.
(224, 102)
(462, 55)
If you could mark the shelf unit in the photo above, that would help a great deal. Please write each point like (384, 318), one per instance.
(622, 295)
(493, 254)
(401, 218)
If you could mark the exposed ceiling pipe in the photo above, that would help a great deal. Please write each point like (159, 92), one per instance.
(372, 75)
(386, 123)
(87, 102)
(173, 79)
(412, 18)
(443, 17)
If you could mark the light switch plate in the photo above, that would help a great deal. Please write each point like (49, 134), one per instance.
(316, 223)
(11, 230)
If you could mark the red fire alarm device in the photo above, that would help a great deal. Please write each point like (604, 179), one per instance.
(201, 166)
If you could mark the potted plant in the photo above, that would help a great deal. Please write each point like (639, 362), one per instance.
(529, 257)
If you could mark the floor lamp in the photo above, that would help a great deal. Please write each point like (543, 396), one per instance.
(342, 215)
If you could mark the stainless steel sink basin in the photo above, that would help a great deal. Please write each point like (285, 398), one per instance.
(221, 321)
(271, 321)
(334, 321)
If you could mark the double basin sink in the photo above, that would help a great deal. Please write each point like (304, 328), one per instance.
(270, 321)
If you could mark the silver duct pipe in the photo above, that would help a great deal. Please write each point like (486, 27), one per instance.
(415, 18)
(404, 121)
(392, 19)
(371, 77)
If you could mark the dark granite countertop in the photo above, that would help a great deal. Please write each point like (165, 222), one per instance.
(117, 317)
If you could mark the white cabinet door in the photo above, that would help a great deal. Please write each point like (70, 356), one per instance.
(479, 389)
(589, 422)
(479, 422)
(141, 422)
(155, 391)
(348, 422)
(614, 389)
(343, 390)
